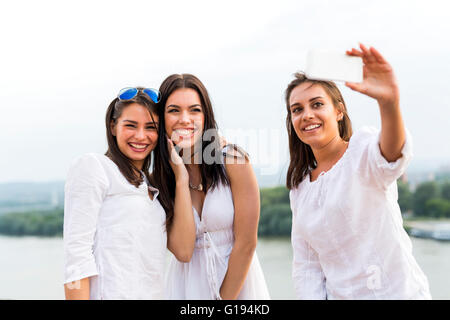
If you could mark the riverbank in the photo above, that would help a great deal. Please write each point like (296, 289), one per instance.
(436, 229)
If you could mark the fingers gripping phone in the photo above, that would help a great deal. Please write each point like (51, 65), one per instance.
(335, 66)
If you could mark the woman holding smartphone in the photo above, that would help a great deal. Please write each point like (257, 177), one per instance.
(115, 234)
(224, 193)
(347, 230)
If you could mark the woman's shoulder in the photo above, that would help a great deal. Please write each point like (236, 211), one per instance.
(88, 164)
(90, 160)
(364, 135)
(234, 152)
(297, 190)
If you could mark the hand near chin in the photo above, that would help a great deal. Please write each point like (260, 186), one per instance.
(176, 162)
(379, 81)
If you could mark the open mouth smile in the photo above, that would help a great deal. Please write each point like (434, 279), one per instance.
(312, 127)
(138, 147)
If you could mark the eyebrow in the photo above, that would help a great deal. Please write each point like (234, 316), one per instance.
(135, 122)
(175, 106)
(298, 104)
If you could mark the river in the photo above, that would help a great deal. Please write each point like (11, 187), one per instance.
(31, 267)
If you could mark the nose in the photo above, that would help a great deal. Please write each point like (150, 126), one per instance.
(308, 114)
(184, 117)
(140, 134)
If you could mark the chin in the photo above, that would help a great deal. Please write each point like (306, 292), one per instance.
(312, 142)
(137, 157)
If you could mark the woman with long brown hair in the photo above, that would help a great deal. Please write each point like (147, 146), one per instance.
(224, 193)
(347, 234)
(115, 235)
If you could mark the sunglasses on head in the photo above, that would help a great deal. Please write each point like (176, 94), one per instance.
(130, 93)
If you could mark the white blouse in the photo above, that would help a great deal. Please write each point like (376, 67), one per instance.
(113, 232)
(347, 230)
(202, 277)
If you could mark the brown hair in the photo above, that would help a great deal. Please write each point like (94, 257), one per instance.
(162, 175)
(126, 166)
(301, 156)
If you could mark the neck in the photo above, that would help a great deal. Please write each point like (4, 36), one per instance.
(193, 169)
(138, 164)
(195, 176)
(328, 152)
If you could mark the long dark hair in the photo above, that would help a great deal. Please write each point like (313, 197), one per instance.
(301, 155)
(162, 176)
(126, 166)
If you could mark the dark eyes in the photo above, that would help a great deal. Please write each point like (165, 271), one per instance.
(151, 127)
(176, 110)
(315, 105)
(297, 109)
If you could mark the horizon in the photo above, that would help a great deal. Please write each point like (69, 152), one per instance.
(54, 97)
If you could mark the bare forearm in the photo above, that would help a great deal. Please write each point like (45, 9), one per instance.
(77, 290)
(238, 265)
(181, 239)
(392, 130)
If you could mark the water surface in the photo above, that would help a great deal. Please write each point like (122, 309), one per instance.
(32, 268)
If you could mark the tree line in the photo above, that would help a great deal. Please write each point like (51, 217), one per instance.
(429, 199)
(33, 223)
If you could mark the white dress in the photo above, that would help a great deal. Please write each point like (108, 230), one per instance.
(347, 232)
(201, 278)
(113, 232)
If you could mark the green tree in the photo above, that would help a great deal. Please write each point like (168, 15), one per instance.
(445, 190)
(274, 195)
(438, 208)
(275, 220)
(276, 216)
(423, 193)
(35, 223)
(405, 196)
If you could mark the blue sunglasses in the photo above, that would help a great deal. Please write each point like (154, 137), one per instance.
(130, 93)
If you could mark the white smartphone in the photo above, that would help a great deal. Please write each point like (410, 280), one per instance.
(335, 66)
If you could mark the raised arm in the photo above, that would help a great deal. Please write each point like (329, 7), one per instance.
(380, 83)
(245, 191)
(181, 233)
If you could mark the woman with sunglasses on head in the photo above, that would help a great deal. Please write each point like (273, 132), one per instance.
(347, 232)
(115, 235)
(224, 193)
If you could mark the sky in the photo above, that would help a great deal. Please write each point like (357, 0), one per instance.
(62, 63)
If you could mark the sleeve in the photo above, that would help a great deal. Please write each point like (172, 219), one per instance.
(307, 274)
(379, 170)
(85, 190)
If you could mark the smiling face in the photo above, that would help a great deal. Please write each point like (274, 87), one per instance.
(184, 117)
(313, 115)
(136, 133)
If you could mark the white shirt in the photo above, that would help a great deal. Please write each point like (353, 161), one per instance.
(347, 231)
(113, 232)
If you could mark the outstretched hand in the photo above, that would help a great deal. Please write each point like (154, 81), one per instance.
(379, 81)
